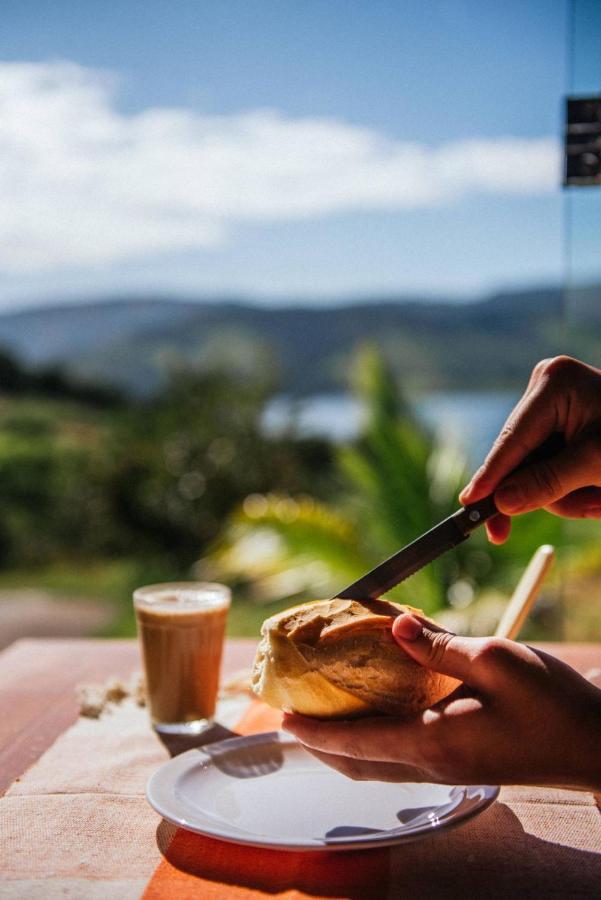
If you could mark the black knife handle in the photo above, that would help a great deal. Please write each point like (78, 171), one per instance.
(470, 517)
(474, 514)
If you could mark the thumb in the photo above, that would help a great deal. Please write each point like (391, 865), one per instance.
(435, 648)
(541, 484)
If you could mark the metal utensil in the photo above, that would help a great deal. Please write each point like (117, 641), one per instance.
(448, 534)
(443, 537)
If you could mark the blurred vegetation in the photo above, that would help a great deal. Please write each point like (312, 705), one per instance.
(397, 480)
(99, 497)
(102, 493)
(52, 381)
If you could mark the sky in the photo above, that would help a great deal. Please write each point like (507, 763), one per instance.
(279, 149)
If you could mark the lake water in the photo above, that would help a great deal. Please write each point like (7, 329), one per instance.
(470, 419)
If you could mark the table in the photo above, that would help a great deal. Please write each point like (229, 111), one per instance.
(38, 680)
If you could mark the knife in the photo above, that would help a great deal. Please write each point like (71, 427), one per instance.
(443, 537)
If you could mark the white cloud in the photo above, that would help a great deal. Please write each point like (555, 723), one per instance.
(82, 184)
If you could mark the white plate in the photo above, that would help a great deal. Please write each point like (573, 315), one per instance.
(266, 790)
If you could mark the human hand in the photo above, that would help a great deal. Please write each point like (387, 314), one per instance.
(563, 395)
(521, 717)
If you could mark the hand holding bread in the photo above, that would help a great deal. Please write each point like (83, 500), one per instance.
(338, 659)
(523, 717)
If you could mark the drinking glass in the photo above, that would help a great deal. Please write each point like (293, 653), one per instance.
(181, 626)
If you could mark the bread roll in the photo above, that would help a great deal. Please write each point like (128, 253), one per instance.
(338, 659)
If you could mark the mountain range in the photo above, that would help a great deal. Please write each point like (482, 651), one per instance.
(432, 344)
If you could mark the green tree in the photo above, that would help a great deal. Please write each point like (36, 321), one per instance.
(397, 480)
(176, 466)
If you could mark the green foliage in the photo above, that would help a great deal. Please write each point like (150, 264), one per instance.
(47, 491)
(153, 480)
(100, 498)
(178, 465)
(276, 546)
(53, 381)
(397, 481)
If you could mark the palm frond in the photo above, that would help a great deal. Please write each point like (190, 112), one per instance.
(399, 481)
(283, 546)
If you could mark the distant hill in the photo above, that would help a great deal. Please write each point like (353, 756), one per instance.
(432, 344)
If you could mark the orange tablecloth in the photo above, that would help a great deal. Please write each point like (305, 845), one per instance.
(76, 824)
(199, 866)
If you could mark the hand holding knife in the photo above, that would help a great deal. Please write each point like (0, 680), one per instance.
(448, 534)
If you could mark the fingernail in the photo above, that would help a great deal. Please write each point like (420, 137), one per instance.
(407, 628)
(465, 491)
(510, 497)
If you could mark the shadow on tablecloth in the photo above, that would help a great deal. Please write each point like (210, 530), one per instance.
(491, 856)
(181, 743)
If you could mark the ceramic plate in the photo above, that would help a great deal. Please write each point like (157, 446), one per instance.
(266, 790)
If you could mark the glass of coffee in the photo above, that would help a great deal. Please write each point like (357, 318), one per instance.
(181, 626)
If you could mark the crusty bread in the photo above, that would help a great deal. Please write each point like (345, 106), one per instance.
(338, 659)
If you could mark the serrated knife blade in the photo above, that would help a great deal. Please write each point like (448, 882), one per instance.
(443, 537)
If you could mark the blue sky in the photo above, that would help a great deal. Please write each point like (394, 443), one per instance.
(373, 115)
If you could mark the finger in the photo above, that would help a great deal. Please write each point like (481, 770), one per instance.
(436, 648)
(480, 663)
(531, 422)
(377, 740)
(544, 483)
(362, 770)
(582, 504)
(537, 373)
(498, 529)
